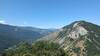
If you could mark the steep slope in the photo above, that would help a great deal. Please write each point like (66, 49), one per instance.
(78, 39)
(11, 35)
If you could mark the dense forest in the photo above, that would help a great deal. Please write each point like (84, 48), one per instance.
(40, 48)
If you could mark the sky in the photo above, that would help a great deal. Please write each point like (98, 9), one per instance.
(48, 13)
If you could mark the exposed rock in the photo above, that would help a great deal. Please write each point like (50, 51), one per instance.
(78, 39)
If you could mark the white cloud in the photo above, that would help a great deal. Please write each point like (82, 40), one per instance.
(23, 23)
(3, 21)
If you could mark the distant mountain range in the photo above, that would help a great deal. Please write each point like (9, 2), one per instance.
(80, 38)
(12, 35)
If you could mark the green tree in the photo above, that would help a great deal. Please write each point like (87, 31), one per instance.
(40, 48)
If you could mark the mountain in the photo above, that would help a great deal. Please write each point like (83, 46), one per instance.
(12, 35)
(80, 38)
(41, 31)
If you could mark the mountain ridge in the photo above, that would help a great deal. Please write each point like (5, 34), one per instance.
(81, 35)
(12, 35)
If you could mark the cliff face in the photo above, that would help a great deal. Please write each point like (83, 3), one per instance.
(78, 39)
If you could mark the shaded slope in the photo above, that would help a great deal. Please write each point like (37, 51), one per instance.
(11, 35)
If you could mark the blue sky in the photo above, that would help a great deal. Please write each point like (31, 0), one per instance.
(48, 13)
